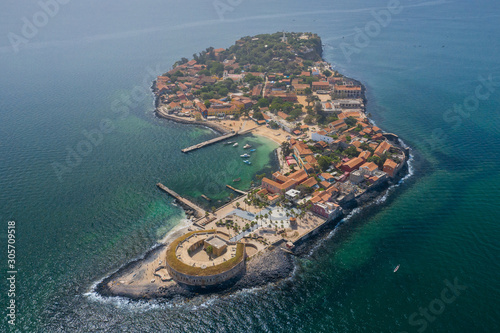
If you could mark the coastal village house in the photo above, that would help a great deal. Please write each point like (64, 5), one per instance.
(281, 183)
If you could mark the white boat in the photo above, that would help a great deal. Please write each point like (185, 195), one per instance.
(396, 269)
(246, 146)
(236, 144)
(245, 155)
(247, 162)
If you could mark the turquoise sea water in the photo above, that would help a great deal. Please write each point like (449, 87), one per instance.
(81, 67)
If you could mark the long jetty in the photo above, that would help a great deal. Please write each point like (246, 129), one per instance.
(185, 203)
(236, 190)
(209, 142)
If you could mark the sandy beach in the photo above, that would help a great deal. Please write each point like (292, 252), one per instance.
(244, 124)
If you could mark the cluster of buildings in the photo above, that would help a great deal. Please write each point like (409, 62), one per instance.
(358, 154)
(335, 164)
(176, 89)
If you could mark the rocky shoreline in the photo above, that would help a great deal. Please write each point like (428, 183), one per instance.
(266, 267)
(270, 266)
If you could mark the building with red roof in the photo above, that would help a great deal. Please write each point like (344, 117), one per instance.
(390, 167)
(352, 165)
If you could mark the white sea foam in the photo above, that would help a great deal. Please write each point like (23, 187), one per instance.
(382, 199)
(123, 302)
(183, 224)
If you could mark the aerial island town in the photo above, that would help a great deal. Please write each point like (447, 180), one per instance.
(330, 156)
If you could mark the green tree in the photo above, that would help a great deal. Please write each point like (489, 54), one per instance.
(309, 119)
(318, 107)
(209, 249)
(285, 148)
(350, 121)
(258, 115)
(376, 159)
(351, 151)
(263, 102)
(324, 162)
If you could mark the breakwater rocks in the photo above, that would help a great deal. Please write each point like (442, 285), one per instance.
(266, 267)
(210, 124)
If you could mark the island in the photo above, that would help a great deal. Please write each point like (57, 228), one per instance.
(332, 159)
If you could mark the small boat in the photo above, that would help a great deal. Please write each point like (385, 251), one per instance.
(236, 180)
(245, 155)
(247, 162)
(229, 142)
(252, 150)
(396, 269)
(236, 144)
(246, 146)
(205, 197)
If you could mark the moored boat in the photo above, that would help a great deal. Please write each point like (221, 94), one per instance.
(236, 144)
(245, 155)
(246, 146)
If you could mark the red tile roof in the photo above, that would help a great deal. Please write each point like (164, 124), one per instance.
(364, 155)
(310, 182)
(282, 114)
(390, 163)
(382, 148)
(370, 166)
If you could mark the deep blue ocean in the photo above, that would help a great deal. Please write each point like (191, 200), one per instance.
(82, 75)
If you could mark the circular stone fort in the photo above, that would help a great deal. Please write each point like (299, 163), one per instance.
(204, 258)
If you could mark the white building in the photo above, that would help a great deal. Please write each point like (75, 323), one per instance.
(292, 195)
(321, 136)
